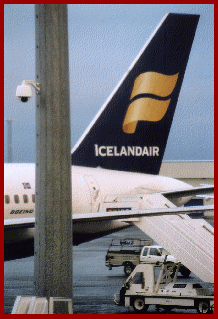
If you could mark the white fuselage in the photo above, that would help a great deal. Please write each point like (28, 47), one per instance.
(90, 186)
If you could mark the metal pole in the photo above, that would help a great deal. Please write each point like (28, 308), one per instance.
(53, 238)
(9, 140)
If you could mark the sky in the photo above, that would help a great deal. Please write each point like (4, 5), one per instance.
(104, 39)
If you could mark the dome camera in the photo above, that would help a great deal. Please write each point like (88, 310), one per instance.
(24, 91)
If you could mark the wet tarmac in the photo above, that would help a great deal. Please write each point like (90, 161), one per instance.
(94, 285)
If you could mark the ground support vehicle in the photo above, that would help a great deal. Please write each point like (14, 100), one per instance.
(130, 252)
(155, 254)
(140, 290)
(126, 253)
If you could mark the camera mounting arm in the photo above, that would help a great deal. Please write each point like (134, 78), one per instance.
(34, 84)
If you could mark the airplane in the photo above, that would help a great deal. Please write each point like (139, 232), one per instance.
(121, 151)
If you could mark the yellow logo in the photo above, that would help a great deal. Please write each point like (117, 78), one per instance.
(148, 108)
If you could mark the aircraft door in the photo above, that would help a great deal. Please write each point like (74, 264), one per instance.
(81, 196)
(95, 192)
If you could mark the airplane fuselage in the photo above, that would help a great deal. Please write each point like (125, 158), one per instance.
(90, 188)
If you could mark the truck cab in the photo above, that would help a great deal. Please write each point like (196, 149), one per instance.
(155, 254)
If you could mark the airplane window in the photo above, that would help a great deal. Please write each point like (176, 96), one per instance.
(25, 199)
(33, 198)
(7, 199)
(16, 199)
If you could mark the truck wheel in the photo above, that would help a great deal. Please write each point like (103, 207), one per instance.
(128, 268)
(139, 305)
(203, 307)
(185, 272)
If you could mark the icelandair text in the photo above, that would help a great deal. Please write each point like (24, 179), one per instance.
(126, 151)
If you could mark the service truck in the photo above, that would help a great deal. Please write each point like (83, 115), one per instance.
(130, 252)
(126, 253)
(155, 254)
(141, 290)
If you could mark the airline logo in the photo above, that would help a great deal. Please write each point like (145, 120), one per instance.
(149, 100)
(126, 150)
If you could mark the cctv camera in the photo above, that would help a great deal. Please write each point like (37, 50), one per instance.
(24, 91)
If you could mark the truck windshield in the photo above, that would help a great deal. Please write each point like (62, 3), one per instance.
(138, 278)
(155, 252)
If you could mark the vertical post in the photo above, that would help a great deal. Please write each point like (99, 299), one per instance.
(53, 238)
(9, 140)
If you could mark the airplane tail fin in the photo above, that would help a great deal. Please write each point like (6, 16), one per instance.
(130, 131)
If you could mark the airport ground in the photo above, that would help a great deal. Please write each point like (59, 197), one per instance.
(94, 285)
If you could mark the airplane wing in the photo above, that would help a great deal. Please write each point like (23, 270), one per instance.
(19, 223)
(107, 216)
(205, 196)
(104, 216)
(189, 192)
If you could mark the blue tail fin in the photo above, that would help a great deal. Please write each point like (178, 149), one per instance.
(130, 131)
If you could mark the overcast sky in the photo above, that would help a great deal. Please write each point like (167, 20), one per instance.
(103, 42)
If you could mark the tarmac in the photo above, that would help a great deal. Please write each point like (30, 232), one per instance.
(94, 285)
